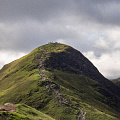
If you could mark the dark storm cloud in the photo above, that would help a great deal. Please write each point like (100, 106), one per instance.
(28, 23)
(43, 10)
(24, 24)
(103, 11)
(87, 25)
(31, 34)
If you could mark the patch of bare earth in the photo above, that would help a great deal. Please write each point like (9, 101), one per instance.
(8, 107)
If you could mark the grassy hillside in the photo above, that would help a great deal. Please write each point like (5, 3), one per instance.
(58, 80)
(24, 112)
(32, 113)
(12, 116)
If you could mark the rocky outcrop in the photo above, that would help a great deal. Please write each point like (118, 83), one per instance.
(80, 115)
(8, 107)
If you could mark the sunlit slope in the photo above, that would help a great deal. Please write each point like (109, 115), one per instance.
(57, 79)
(24, 112)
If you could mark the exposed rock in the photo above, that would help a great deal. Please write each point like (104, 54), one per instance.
(8, 107)
(81, 115)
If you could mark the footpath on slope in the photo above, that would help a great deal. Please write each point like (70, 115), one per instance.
(49, 85)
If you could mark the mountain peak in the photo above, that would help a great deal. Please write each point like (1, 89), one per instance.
(58, 80)
(53, 47)
(65, 58)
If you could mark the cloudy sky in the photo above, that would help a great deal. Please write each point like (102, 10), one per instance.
(90, 26)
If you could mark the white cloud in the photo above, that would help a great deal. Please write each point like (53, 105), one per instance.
(61, 41)
(113, 35)
(108, 64)
(101, 44)
(8, 56)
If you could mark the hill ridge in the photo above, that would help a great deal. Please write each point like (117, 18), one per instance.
(58, 80)
(49, 85)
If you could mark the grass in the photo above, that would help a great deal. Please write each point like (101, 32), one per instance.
(20, 83)
(25, 112)
(87, 97)
(12, 116)
(32, 113)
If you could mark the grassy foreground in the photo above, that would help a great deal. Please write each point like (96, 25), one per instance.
(25, 112)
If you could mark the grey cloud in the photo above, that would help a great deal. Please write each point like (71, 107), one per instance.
(42, 10)
(27, 24)
(101, 11)
(29, 35)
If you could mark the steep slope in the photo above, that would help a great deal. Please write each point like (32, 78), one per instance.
(57, 79)
(73, 61)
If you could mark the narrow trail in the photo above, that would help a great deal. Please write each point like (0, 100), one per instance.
(81, 115)
(51, 86)
(41, 64)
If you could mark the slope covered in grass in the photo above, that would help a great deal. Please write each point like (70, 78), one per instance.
(32, 113)
(12, 116)
(24, 112)
(58, 80)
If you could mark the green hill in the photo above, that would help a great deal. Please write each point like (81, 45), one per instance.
(58, 80)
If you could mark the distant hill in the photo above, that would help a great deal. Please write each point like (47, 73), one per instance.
(58, 80)
(116, 81)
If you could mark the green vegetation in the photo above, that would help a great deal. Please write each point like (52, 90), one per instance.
(32, 113)
(82, 92)
(71, 81)
(12, 116)
(25, 112)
